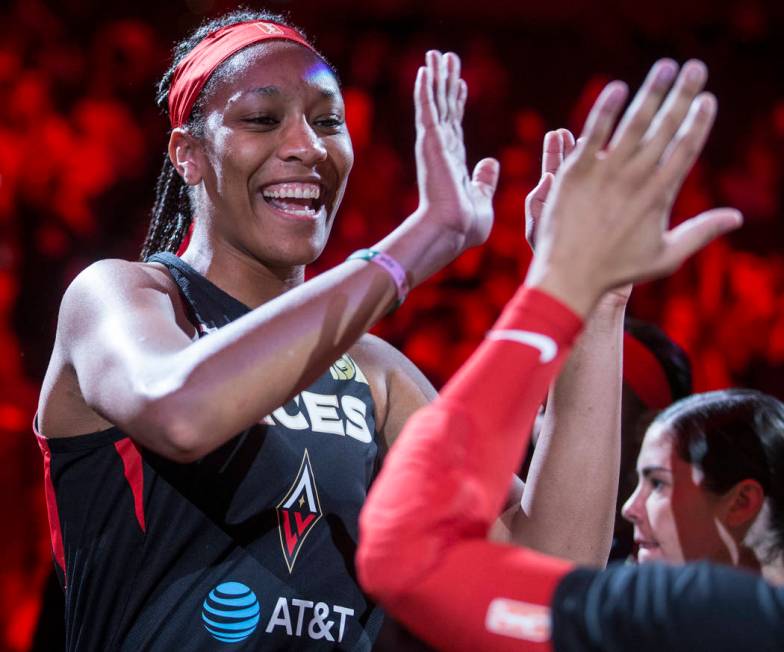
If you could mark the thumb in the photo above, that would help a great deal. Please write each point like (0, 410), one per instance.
(485, 177)
(534, 203)
(693, 234)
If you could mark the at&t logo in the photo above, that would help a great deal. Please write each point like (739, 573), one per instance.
(231, 612)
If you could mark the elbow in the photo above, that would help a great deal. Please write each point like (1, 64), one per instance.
(180, 442)
(382, 561)
(169, 427)
(372, 572)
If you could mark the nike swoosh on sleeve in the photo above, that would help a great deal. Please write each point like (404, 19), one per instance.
(547, 347)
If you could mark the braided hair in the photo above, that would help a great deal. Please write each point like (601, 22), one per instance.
(172, 212)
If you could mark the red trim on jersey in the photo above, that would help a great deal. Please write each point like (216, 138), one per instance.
(55, 531)
(134, 474)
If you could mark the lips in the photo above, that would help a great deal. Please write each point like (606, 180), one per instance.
(647, 545)
(646, 550)
(295, 199)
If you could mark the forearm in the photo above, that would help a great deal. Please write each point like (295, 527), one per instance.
(253, 365)
(568, 504)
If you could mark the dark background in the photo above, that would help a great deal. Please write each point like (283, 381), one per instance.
(81, 143)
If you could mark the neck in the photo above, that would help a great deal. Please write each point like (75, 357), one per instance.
(245, 278)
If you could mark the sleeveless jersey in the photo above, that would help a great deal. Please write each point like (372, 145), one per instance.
(249, 548)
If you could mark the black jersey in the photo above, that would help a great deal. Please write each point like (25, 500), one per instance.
(654, 607)
(249, 548)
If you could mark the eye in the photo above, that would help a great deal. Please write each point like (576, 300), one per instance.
(656, 484)
(330, 122)
(261, 120)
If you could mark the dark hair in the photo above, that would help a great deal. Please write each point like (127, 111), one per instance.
(672, 358)
(733, 435)
(171, 212)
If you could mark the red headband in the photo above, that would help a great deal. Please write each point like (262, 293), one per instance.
(643, 372)
(195, 69)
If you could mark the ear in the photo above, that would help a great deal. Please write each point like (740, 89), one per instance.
(742, 503)
(186, 155)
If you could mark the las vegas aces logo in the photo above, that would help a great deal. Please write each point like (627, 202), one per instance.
(298, 512)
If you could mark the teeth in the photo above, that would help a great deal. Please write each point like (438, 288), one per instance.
(292, 191)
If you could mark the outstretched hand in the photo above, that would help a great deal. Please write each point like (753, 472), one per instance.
(447, 193)
(605, 221)
(557, 146)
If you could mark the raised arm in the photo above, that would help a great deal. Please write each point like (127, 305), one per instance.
(125, 343)
(423, 551)
(568, 507)
(559, 513)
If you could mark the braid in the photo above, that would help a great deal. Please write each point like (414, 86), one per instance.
(171, 213)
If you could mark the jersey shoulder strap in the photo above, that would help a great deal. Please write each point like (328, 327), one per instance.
(211, 306)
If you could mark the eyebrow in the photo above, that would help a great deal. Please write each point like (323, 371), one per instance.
(275, 91)
(645, 472)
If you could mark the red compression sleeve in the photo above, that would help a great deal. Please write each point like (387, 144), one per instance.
(423, 550)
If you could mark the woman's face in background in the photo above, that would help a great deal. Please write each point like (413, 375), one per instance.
(675, 518)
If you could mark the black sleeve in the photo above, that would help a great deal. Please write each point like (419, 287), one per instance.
(653, 607)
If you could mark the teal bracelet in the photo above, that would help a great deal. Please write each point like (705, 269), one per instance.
(390, 265)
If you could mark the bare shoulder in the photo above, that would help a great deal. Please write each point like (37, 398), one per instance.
(113, 285)
(100, 301)
(399, 388)
(114, 278)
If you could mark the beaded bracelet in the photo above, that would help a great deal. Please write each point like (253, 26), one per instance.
(390, 265)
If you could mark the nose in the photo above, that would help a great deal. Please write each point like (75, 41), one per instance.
(631, 508)
(300, 143)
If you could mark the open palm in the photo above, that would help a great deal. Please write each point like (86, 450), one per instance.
(460, 202)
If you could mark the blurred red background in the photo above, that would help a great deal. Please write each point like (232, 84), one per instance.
(81, 142)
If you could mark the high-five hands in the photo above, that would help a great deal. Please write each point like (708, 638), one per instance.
(557, 146)
(605, 219)
(461, 203)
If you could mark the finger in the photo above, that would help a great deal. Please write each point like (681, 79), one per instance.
(672, 113)
(534, 205)
(435, 62)
(552, 154)
(686, 146)
(567, 138)
(693, 234)
(424, 103)
(452, 85)
(485, 176)
(641, 111)
(600, 120)
(462, 98)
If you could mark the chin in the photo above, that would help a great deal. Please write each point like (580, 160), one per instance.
(292, 257)
(645, 555)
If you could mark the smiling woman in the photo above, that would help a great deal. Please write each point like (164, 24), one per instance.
(709, 483)
(210, 423)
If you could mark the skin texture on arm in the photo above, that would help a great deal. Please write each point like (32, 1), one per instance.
(568, 505)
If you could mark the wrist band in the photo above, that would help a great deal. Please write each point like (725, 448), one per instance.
(390, 265)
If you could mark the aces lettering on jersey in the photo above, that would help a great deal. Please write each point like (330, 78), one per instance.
(325, 413)
(304, 618)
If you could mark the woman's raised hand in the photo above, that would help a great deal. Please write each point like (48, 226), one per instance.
(606, 219)
(446, 192)
(556, 147)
